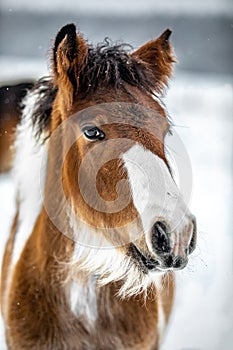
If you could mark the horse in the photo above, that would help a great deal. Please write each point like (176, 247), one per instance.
(10, 113)
(100, 225)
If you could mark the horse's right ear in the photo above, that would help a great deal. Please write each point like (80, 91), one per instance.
(69, 58)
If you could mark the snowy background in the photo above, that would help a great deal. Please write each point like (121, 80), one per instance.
(200, 101)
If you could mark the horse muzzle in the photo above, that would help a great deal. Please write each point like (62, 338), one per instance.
(172, 247)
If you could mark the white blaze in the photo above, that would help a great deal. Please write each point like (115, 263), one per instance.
(83, 299)
(155, 194)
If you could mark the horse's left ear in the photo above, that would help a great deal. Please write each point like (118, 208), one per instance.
(69, 58)
(158, 56)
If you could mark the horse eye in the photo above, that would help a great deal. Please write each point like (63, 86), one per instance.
(93, 133)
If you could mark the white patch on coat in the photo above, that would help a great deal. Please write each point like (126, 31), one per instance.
(83, 299)
(27, 172)
(2, 335)
(29, 183)
(155, 194)
(161, 320)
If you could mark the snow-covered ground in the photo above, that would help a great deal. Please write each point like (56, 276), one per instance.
(202, 110)
(203, 314)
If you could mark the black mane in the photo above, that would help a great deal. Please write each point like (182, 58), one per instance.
(112, 65)
(41, 116)
(107, 65)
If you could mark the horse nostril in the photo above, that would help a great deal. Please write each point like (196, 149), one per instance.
(160, 238)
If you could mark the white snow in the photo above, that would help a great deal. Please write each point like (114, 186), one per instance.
(201, 107)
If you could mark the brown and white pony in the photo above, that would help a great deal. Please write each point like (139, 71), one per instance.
(100, 223)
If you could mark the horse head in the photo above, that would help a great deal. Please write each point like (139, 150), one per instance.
(126, 215)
